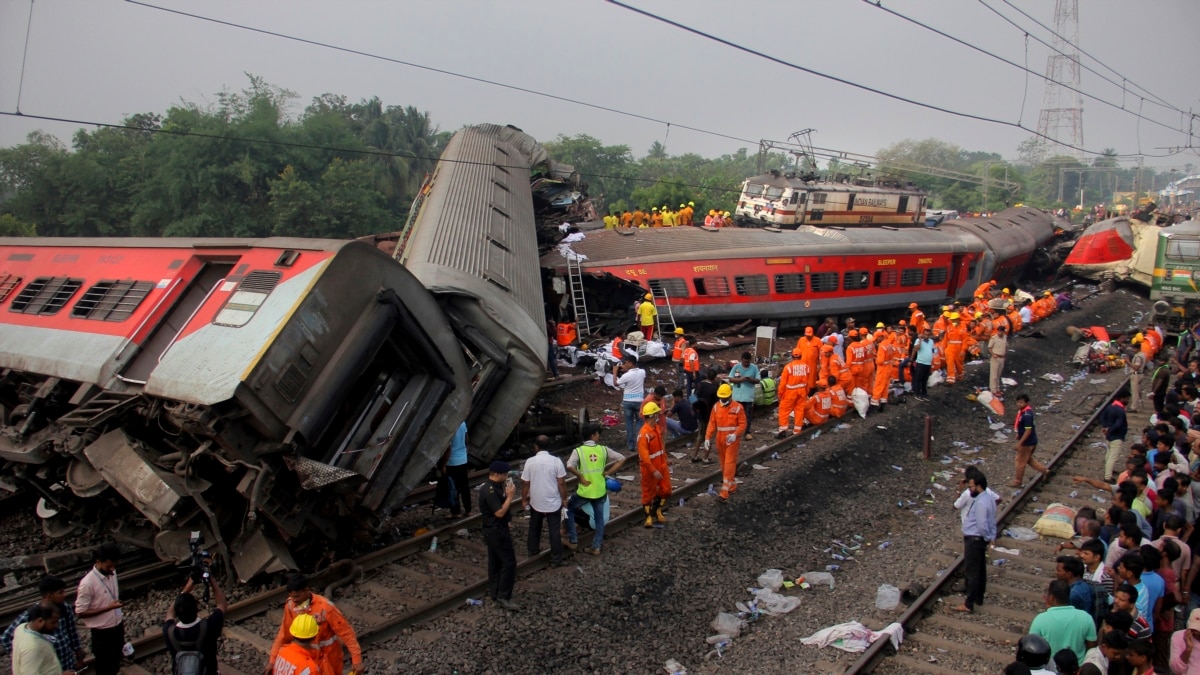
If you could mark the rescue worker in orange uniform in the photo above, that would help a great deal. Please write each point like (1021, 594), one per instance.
(837, 364)
(691, 368)
(884, 372)
(639, 217)
(985, 289)
(793, 392)
(953, 343)
(656, 218)
(917, 319)
(871, 349)
(677, 353)
(841, 402)
(939, 326)
(626, 219)
(825, 357)
(726, 424)
(856, 356)
(903, 345)
(1014, 318)
(810, 345)
(656, 396)
(333, 630)
(656, 474)
(617, 352)
(300, 656)
(820, 404)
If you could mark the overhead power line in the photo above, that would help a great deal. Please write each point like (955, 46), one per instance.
(1090, 56)
(851, 83)
(878, 4)
(442, 71)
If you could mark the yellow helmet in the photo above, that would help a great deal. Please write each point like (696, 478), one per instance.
(1006, 291)
(1137, 338)
(682, 205)
(1045, 294)
(691, 203)
(304, 627)
(879, 325)
(653, 208)
(712, 212)
(650, 408)
(726, 214)
(724, 391)
(954, 316)
(649, 297)
(678, 330)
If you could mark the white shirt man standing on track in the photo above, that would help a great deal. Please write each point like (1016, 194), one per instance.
(979, 530)
(545, 491)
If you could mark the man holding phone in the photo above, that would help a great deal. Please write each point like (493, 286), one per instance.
(98, 605)
(495, 498)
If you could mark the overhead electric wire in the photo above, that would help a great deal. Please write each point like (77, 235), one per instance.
(857, 85)
(359, 151)
(24, 56)
(878, 4)
(1164, 101)
(1083, 65)
(440, 71)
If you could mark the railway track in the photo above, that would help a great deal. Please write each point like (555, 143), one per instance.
(941, 641)
(412, 582)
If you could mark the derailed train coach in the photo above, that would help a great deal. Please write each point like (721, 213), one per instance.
(253, 390)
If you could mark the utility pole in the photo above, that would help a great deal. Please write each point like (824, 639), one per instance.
(986, 165)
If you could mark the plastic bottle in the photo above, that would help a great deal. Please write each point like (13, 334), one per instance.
(473, 602)
(433, 545)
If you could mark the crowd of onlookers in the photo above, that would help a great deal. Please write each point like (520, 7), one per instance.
(1126, 593)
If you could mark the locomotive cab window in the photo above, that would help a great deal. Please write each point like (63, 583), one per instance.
(753, 189)
(819, 198)
(753, 284)
(774, 193)
(111, 300)
(711, 285)
(936, 275)
(855, 281)
(824, 282)
(789, 283)
(45, 295)
(250, 294)
(672, 288)
(1179, 248)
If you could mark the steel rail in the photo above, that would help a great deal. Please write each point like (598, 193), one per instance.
(870, 658)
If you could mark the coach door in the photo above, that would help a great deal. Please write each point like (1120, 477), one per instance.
(202, 286)
(956, 276)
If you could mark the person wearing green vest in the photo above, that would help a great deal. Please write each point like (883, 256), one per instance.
(764, 392)
(590, 463)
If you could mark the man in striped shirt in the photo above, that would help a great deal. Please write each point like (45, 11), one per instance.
(67, 645)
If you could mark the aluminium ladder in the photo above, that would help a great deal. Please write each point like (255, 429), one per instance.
(578, 299)
(665, 321)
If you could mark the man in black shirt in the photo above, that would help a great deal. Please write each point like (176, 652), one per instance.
(185, 631)
(495, 498)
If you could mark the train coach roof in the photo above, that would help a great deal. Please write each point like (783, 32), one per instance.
(1190, 228)
(181, 242)
(692, 243)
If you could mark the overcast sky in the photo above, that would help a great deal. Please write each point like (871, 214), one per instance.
(99, 60)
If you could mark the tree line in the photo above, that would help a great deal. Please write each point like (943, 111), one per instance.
(248, 166)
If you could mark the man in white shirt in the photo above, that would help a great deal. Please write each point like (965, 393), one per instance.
(544, 493)
(631, 381)
(98, 605)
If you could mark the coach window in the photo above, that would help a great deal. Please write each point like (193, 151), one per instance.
(886, 278)
(674, 287)
(912, 277)
(789, 283)
(45, 295)
(819, 197)
(936, 276)
(753, 284)
(824, 282)
(111, 300)
(855, 281)
(8, 283)
(714, 286)
(816, 214)
(1179, 248)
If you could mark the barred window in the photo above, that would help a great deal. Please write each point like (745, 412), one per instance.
(45, 295)
(8, 283)
(819, 197)
(789, 283)
(912, 277)
(754, 284)
(855, 281)
(111, 300)
(886, 278)
(824, 282)
(674, 287)
(711, 285)
(936, 275)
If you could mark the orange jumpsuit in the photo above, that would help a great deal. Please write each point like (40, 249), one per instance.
(294, 659)
(811, 346)
(856, 356)
(840, 401)
(793, 393)
(638, 218)
(984, 289)
(1014, 319)
(826, 356)
(627, 219)
(884, 372)
(662, 419)
(656, 220)
(820, 404)
(685, 215)
(333, 631)
(838, 369)
(723, 421)
(868, 377)
(939, 326)
(917, 321)
(953, 342)
(653, 457)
